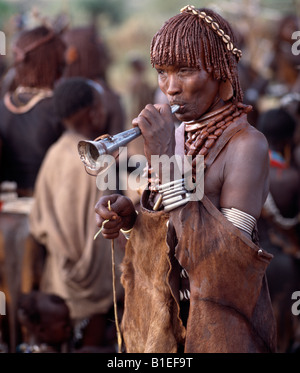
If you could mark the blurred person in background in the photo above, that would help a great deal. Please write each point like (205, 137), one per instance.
(139, 93)
(283, 81)
(140, 90)
(76, 267)
(279, 224)
(286, 63)
(28, 124)
(88, 56)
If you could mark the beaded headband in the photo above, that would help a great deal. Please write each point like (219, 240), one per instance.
(215, 27)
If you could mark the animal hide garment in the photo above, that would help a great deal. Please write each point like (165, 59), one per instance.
(230, 307)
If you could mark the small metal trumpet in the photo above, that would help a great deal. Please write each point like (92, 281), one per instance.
(90, 151)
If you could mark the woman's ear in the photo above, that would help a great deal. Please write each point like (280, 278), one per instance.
(225, 90)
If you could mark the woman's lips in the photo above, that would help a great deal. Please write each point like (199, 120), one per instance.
(181, 107)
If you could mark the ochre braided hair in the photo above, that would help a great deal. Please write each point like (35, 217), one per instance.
(38, 57)
(187, 36)
(90, 55)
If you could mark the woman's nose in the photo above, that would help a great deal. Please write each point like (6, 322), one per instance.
(173, 85)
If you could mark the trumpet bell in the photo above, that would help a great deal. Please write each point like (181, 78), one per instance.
(91, 151)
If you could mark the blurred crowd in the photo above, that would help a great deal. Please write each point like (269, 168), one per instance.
(55, 92)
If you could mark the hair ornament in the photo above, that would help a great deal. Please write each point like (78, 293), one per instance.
(215, 27)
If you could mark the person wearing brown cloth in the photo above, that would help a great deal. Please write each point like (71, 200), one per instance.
(194, 273)
(28, 124)
(76, 267)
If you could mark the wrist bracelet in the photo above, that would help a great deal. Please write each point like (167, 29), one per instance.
(126, 233)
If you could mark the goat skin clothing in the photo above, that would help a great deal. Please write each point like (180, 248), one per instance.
(63, 219)
(150, 322)
(230, 307)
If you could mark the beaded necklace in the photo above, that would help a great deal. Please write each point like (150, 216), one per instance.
(14, 104)
(202, 135)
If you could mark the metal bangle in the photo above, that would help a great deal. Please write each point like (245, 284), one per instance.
(126, 233)
(240, 219)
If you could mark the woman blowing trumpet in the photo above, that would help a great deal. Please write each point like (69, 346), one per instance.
(194, 276)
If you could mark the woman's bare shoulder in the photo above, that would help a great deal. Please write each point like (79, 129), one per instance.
(249, 142)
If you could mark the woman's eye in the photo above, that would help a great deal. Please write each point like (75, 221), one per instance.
(186, 70)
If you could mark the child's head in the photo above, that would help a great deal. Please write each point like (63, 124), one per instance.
(80, 104)
(45, 317)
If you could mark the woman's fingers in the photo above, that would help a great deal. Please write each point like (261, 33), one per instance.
(123, 206)
(109, 228)
(113, 212)
(104, 208)
(110, 236)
